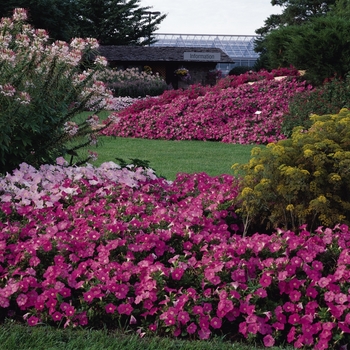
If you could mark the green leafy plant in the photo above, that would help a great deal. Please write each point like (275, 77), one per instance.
(238, 70)
(305, 179)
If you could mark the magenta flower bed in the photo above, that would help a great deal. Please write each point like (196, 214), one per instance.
(244, 114)
(108, 246)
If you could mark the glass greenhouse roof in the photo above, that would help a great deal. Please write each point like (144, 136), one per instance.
(239, 47)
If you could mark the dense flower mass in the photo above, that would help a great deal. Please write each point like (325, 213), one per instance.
(244, 114)
(82, 246)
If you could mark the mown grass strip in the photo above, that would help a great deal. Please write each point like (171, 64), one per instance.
(171, 157)
(19, 337)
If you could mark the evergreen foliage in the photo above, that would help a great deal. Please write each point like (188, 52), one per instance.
(112, 22)
(58, 17)
(117, 22)
(295, 12)
(321, 47)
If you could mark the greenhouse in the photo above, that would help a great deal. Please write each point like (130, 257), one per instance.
(238, 47)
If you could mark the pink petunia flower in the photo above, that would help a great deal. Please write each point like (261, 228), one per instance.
(191, 328)
(216, 322)
(265, 280)
(110, 308)
(269, 341)
(32, 321)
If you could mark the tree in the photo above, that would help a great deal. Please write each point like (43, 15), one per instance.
(320, 46)
(55, 16)
(295, 12)
(117, 22)
(112, 22)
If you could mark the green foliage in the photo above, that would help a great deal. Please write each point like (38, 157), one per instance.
(305, 179)
(117, 22)
(55, 16)
(239, 70)
(330, 97)
(42, 88)
(294, 13)
(320, 47)
(17, 336)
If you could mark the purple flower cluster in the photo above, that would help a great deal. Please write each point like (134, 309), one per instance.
(244, 114)
(82, 246)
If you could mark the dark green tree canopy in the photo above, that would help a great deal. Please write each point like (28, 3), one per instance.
(321, 47)
(311, 35)
(56, 16)
(112, 22)
(295, 12)
(117, 22)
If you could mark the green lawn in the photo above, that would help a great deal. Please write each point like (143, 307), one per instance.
(168, 158)
(17, 337)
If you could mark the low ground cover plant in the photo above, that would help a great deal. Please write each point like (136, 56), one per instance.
(245, 114)
(105, 246)
(253, 76)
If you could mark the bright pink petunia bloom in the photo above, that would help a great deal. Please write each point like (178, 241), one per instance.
(291, 334)
(57, 316)
(110, 308)
(191, 328)
(204, 333)
(265, 280)
(268, 341)
(177, 274)
(32, 321)
(216, 322)
(183, 317)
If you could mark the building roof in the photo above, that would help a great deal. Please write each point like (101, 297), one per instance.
(238, 47)
(158, 54)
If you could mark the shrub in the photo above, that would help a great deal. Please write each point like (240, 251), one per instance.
(42, 88)
(133, 83)
(304, 179)
(251, 76)
(332, 96)
(238, 70)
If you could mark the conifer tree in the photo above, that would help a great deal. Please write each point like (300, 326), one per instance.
(295, 12)
(112, 22)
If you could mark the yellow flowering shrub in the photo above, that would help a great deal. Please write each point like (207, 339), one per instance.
(302, 180)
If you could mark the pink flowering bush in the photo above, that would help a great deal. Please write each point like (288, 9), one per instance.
(245, 114)
(107, 246)
(44, 85)
(251, 76)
